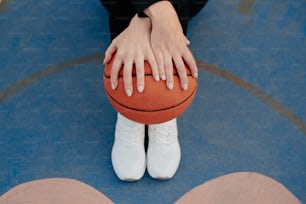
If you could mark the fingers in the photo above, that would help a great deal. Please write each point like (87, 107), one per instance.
(169, 71)
(109, 52)
(128, 65)
(140, 75)
(169, 63)
(190, 61)
(160, 63)
(181, 69)
(127, 77)
(115, 72)
(149, 56)
(166, 61)
(154, 67)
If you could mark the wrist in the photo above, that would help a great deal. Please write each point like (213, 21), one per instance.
(137, 21)
(159, 10)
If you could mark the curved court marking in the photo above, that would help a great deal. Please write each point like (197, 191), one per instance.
(4, 5)
(257, 93)
(22, 84)
(245, 6)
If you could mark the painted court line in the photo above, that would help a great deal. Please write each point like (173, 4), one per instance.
(283, 111)
(4, 4)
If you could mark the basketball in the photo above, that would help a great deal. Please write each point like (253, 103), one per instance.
(156, 104)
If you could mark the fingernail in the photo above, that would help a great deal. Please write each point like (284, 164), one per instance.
(156, 78)
(185, 86)
(128, 92)
(163, 77)
(140, 88)
(195, 75)
(113, 86)
(170, 85)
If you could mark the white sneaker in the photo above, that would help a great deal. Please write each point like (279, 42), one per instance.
(128, 153)
(164, 153)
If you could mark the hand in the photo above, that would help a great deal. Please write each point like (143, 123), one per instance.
(132, 46)
(169, 44)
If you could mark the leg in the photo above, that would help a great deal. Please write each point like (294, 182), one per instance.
(128, 153)
(163, 154)
(120, 15)
(187, 9)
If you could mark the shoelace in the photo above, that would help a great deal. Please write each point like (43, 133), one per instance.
(130, 135)
(161, 134)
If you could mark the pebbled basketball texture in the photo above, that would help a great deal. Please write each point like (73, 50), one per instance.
(156, 104)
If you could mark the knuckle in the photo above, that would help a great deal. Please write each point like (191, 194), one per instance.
(114, 71)
(126, 74)
(120, 55)
(181, 72)
(169, 75)
(127, 83)
(140, 71)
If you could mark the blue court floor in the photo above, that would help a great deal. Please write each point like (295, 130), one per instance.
(249, 113)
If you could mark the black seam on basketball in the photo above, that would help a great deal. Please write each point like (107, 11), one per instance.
(163, 109)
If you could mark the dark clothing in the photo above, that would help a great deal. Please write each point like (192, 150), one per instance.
(122, 11)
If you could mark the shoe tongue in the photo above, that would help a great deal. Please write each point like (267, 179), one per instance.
(162, 135)
(130, 139)
(163, 140)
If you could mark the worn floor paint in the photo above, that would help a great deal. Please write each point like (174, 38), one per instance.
(236, 188)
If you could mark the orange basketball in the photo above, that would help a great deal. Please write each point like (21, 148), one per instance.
(156, 104)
